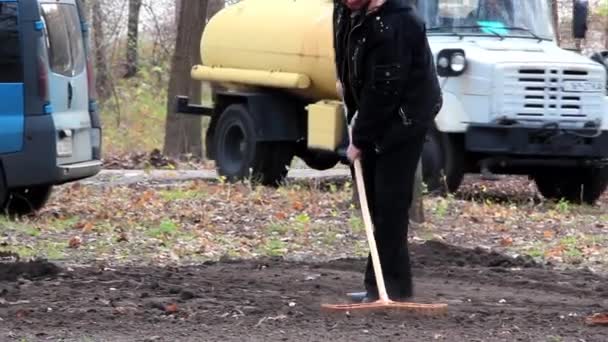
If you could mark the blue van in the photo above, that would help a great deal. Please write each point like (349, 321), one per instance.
(50, 131)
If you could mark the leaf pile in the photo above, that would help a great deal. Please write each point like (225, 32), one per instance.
(199, 221)
(153, 159)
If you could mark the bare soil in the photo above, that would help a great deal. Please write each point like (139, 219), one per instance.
(491, 297)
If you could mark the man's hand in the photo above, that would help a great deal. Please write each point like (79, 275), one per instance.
(353, 153)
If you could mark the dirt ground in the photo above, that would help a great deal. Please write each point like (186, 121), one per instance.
(491, 298)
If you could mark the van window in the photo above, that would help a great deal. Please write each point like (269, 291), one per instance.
(11, 69)
(64, 39)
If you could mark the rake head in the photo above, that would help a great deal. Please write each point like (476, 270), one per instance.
(381, 305)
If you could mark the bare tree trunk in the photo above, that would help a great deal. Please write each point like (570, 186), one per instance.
(102, 79)
(214, 6)
(178, 8)
(183, 133)
(556, 25)
(132, 38)
(605, 3)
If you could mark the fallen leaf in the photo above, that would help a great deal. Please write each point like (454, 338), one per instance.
(147, 195)
(555, 251)
(124, 310)
(21, 314)
(120, 310)
(171, 308)
(597, 319)
(87, 227)
(122, 237)
(277, 318)
(591, 250)
(145, 198)
(549, 234)
(280, 216)
(75, 242)
(297, 205)
(506, 241)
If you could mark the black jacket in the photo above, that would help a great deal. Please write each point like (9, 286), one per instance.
(387, 70)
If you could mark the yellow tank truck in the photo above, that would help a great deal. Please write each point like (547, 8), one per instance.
(270, 64)
(515, 102)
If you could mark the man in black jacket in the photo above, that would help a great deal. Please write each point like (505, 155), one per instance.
(391, 92)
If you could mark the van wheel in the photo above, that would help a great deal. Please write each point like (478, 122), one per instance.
(240, 156)
(25, 201)
(576, 186)
(3, 197)
(442, 162)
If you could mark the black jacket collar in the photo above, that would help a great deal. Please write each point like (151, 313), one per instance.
(395, 5)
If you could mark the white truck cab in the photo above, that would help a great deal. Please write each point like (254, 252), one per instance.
(514, 101)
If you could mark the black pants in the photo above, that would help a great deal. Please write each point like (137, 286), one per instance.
(389, 183)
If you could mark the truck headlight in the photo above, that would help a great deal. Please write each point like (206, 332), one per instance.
(458, 62)
(451, 62)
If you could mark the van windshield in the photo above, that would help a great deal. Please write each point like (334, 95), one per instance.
(11, 70)
(505, 18)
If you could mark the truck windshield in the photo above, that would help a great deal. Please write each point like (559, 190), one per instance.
(505, 18)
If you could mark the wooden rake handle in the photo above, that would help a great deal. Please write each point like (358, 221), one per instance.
(369, 230)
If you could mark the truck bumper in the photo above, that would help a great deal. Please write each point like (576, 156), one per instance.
(36, 163)
(524, 146)
(533, 142)
(183, 106)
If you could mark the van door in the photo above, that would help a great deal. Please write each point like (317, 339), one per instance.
(11, 79)
(68, 82)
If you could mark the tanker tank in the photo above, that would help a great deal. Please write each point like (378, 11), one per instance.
(271, 43)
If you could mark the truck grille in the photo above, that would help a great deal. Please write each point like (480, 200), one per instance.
(535, 93)
(543, 92)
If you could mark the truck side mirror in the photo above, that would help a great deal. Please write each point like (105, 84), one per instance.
(601, 58)
(580, 13)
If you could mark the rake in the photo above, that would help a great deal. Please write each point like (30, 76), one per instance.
(384, 303)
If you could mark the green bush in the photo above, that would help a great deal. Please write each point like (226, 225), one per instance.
(603, 8)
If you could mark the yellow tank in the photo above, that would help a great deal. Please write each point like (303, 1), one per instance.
(276, 43)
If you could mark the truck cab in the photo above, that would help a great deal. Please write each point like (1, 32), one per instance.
(50, 131)
(515, 102)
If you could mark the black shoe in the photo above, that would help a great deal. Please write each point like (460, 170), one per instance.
(403, 299)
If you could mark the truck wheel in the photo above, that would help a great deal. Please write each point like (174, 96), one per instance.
(595, 185)
(576, 186)
(442, 163)
(25, 201)
(319, 160)
(237, 150)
